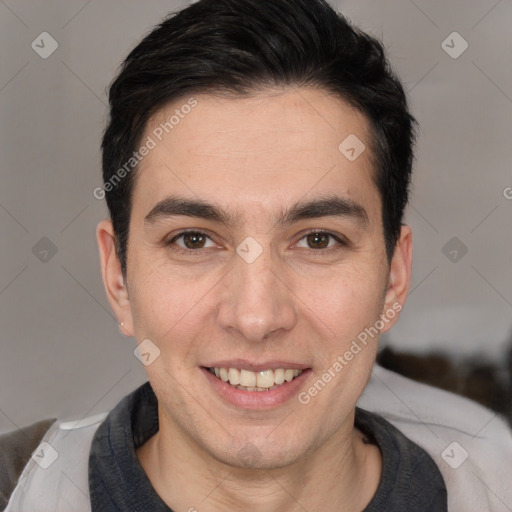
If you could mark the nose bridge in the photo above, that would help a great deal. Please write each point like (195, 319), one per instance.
(258, 280)
(257, 302)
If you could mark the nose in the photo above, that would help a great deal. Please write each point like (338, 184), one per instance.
(256, 299)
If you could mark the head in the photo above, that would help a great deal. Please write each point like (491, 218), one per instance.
(234, 120)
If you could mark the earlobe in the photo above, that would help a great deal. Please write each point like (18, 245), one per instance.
(113, 279)
(399, 276)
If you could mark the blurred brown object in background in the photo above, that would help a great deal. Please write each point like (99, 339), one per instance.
(474, 378)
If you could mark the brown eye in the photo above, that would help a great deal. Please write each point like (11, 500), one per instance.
(194, 240)
(318, 240)
(321, 242)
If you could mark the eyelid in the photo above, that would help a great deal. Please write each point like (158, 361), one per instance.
(339, 238)
(181, 235)
(169, 241)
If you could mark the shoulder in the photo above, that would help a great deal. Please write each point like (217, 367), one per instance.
(413, 400)
(16, 448)
(471, 445)
(48, 463)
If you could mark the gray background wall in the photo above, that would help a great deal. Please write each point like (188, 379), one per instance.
(61, 353)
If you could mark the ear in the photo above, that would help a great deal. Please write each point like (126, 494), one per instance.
(399, 278)
(113, 280)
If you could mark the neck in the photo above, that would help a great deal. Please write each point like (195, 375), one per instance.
(342, 474)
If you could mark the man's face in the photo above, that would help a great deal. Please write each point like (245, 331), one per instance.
(284, 269)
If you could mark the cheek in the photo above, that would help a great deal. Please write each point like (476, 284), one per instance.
(167, 307)
(342, 305)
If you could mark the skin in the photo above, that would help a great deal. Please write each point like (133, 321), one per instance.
(300, 300)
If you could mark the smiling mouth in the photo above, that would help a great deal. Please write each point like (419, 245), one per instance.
(247, 380)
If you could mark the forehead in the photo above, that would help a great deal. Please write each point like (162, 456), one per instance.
(257, 151)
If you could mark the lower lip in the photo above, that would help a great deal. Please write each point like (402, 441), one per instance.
(256, 399)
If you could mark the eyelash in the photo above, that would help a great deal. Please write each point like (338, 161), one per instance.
(316, 252)
(341, 243)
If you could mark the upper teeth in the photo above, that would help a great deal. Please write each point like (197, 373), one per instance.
(263, 379)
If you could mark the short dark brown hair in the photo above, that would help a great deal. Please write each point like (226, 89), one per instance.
(239, 47)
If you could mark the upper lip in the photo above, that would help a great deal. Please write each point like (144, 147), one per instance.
(256, 366)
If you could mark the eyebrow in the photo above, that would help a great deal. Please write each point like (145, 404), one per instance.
(331, 206)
